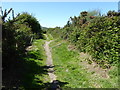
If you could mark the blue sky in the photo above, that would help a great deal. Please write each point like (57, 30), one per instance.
(52, 14)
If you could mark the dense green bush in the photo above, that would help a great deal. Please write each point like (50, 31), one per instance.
(17, 34)
(54, 31)
(100, 39)
(97, 36)
(31, 22)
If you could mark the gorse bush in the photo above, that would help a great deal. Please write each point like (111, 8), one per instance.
(97, 36)
(100, 39)
(31, 22)
(17, 34)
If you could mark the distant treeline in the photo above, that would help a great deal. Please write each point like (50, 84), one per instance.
(94, 34)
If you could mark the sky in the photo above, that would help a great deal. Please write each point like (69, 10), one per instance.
(52, 14)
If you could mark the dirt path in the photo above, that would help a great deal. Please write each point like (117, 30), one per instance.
(49, 61)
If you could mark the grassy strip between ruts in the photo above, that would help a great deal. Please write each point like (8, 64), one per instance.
(68, 69)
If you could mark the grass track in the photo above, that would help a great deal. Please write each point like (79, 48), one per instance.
(68, 69)
(35, 72)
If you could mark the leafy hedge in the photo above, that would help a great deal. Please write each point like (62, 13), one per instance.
(98, 37)
(17, 34)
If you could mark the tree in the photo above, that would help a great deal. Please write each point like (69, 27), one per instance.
(84, 13)
(17, 34)
(112, 13)
(31, 22)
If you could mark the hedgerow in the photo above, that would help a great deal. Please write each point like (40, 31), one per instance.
(97, 36)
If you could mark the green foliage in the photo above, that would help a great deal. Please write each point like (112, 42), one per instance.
(31, 22)
(93, 14)
(113, 13)
(103, 39)
(35, 72)
(97, 36)
(70, 69)
(30, 70)
(84, 13)
(17, 34)
(67, 67)
(54, 31)
(16, 37)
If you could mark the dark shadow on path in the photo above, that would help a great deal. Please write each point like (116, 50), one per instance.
(21, 73)
(55, 85)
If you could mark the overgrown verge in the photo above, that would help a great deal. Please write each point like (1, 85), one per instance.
(96, 35)
(69, 69)
(22, 69)
(35, 76)
(30, 72)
